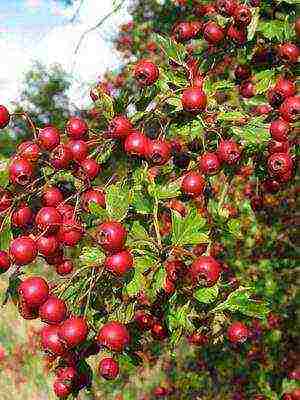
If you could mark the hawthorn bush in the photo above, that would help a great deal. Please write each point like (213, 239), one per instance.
(168, 218)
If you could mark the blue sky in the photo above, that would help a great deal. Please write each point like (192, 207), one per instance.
(41, 30)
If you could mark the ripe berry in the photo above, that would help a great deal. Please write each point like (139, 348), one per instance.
(52, 196)
(285, 87)
(242, 15)
(66, 210)
(48, 220)
(278, 147)
(158, 331)
(183, 31)
(257, 202)
(68, 374)
(94, 195)
(29, 150)
(6, 199)
(279, 164)
(289, 52)
(34, 290)
(290, 109)
(236, 34)
(143, 320)
(204, 9)
(119, 263)
(280, 129)
(53, 311)
(247, 89)
(61, 157)
(114, 336)
(209, 163)
(20, 171)
(111, 236)
(23, 250)
(90, 168)
(237, 332)
(79, 149)
(193, 100)
(47, 245)
(4, 117)
(61, 389)
(229, 152)
(108, 368)
(242, 72)
(119, 127)
(158, 151)
(213, 33)
(193, 184)
(181, 160)
(25, 311)
(136, 144)
(73, 331)
(22, 216)
(225, 7)
(65, 267)
(48, 137)
(197, 339)
(55, 258)
(4, 261)
(206, 268)
(76, 128)
(146, 73)
(70, 233)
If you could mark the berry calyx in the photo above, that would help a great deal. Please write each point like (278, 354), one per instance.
(213, 33)
(119, 127)
(48, 138)
(209, 163)
(53, 311)
(111, 236)
(146, 73)
(229, 152)
(20, 171)
(61, 157)
(279, 164)
(95, 195)
(48, 220)
(29, 150)
(158, 151)
(280, 129)
(47, 245)
(290, 109)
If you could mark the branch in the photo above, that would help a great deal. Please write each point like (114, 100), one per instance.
(76, 12)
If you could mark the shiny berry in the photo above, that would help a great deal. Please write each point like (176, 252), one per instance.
(205, 268)
(193, 184)
(119, 127)
(237, 34)
(6, 199)
(158, 151)
(65, 267)
(114, 336)
(22, 216)
(229, 152)
(226, 7)
(242, 15)
(237, 332)
(119, 263)
(285, 87)
(209, 163)
(136, 144)
(20, 171)
(95, 195)
(183, 31)
(242, 72)
(48, 137)
(4, 117)
(213, 33)
(48, 220)
(76, 128)
(29, 150)
(70, 233)
(52, 196)
(61, 157)
(108, 368)
(55, 258)
(27, 312)
(53, 311)
(111, 236)
(278, 147)
(47, 245)
(289, 52)
(4, 261)
(61, 389)
(280, 129)
(23, 250)
(143, 320)
(158, 331)
(34, 290)
(146, 73)
(50, 340)
(90, 168)
(66, 211)
(290, 109)
(279, 164)
(193, 100)
(79, 149)
(73, 331)
(247, 89)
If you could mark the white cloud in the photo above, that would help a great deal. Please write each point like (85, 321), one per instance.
(33, 3)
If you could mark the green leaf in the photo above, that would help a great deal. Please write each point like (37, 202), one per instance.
(105, 105)
(276, 29)
(189, 230)
(254, 132)
(231, 116)
(138, 238)
(179, 321)
(158, 280)
(5, 234)
(240, 301)
(234, 227)
(264, 80)
(252, 27)
(135, 285)
(105, 154)
(174, 51)
(140, 201)
(207, 295)
(117, 200)
(98, 211)
(4, 177)
(91, 256)
(162, 192)
(189, 129)
(124, 313)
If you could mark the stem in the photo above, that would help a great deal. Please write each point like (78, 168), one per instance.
(156, 223)
(29, 121)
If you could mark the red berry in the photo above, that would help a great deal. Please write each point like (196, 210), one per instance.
(114, 335)
(76, 128)
(34, 290)
(48, 220)
(226, 7)
(4, 117)
(168, 286)
(229, 152)
(158, 151)
(25, 311)
(160, 391)
(29, 150)
(111, 236)
(144, 320)
(237, 332)
(289, 52)
(136, 144)
(61, 389)
(198, 339)
(55, 258)
(22, 216)
(70, 233)
(279, 164)
(67, 374)
(23, 250)
(204, 9)
(236, 34)
(247, 89)
(285, 87)
(52, 196)
(183, 31)
(4, 261)
(242, 15)
(49, 137)
(61, 157)
(296, 394)
(257, 203)
(279, 130)
(206, 268)
(213, 33)
(47, 245)
(119, 263)
(108, 368)
(209, 163)
(79, 149)
(174, 269)
(146, 73)
(119, 127)
(94, 195)
(290, 109)
(73, 331)
(53, 311)
(65, 267)
(193, 184)
(278, 147)
(6, 199)
(158, 331)
(193, 100)
(242, 72)
(90, 168)
(20, 171)
(67, 211)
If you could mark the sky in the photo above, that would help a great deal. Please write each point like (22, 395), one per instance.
(42, 30)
